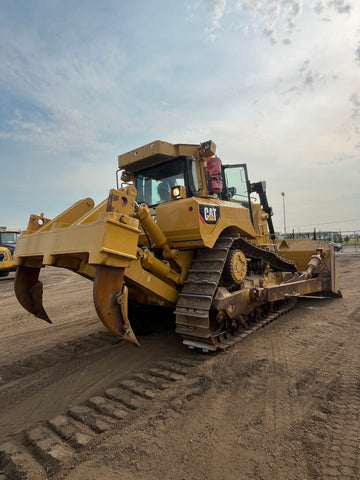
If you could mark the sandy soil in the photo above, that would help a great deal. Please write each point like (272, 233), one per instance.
(282, 404)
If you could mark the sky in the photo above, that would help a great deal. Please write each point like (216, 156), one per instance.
(274, 83)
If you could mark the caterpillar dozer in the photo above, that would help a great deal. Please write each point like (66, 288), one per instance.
(181, 231)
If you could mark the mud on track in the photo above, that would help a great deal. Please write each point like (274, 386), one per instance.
(283, 403)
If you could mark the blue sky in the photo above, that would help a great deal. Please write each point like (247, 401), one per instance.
(275, 83)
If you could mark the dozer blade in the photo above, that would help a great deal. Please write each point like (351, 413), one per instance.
(111, 302)
(29, 291)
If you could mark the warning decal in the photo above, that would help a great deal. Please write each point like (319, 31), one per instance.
(209, 214)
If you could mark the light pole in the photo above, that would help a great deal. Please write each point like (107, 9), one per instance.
(283, 195)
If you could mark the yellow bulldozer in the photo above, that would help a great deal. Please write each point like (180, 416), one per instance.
(181, 231)
(8, 239)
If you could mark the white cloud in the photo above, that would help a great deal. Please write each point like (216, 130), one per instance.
(216, 8)
(276, 19)
(357, 55)
(68, 92)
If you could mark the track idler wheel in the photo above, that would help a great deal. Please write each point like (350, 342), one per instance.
(111, 302)
(29, 291)
(235, 268)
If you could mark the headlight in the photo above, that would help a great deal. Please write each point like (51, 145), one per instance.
(176, 192)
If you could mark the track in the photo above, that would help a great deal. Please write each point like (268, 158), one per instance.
(193, 310)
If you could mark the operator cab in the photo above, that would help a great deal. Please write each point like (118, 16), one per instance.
(160, 183)
(162, 172)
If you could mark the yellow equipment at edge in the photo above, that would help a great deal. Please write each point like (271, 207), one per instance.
(182, 231)
(8, 240)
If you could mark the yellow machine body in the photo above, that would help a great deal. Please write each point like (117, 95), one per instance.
(182, 231)
(6, 263)
(8, 239)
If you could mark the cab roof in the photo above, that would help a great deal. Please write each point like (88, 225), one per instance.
(158, 152)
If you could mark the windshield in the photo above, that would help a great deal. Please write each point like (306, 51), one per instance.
(154, 184)
(9, 237)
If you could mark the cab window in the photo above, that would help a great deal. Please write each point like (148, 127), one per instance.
(9, 237)
(154, 184)
(236, 184)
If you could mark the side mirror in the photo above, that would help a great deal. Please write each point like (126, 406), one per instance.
(231, 191)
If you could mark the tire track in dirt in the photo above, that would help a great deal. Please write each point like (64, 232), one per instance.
(63, 352)
(280, 402)
(329, 399)
(49, 447)
(343, 399)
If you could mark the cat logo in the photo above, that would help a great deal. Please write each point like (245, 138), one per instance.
(209, 215)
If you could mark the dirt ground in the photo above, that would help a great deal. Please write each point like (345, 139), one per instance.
(284, 403)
